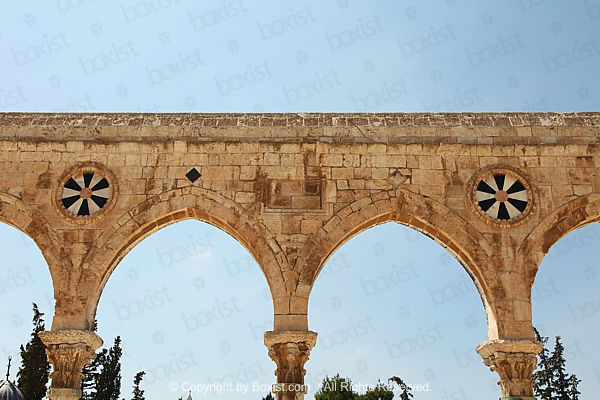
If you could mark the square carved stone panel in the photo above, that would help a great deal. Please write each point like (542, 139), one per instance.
(294, 195)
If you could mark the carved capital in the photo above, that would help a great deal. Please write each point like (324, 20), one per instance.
(68, 351)
(290, 351)
(515, 361)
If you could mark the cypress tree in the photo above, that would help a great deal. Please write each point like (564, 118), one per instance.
(107, 385)
(565, 386)
(138, 394)
(542, 377)
(551, 382)
(35, 368)
(572, 392)
(90, 373)
(558, 367)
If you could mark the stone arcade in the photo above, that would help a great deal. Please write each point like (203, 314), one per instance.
(496, 190)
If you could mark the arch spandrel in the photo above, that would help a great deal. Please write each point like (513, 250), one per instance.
(424, 215)
(166, 209)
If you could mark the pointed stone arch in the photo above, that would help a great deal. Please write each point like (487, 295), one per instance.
(160, 211)
(571, 216)
(445, 227)
(14, 212)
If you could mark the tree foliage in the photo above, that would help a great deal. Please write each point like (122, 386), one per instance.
(269, 396)
(335, 388)
(380, 392)
(35, 367)
(138, 394)
(90, 373)
(338, 388)
(105, 373)
(405, 394)
(551, 382)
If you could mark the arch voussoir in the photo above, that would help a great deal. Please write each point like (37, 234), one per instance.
(386, 205)
(369, 212)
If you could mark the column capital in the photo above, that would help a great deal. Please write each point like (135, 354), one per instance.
(290, 351)
(514, 360)
(68, 351)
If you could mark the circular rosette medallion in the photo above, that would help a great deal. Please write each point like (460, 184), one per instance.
(85, 194)
(502, 196)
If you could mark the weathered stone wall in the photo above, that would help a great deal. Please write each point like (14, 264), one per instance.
(293, 188)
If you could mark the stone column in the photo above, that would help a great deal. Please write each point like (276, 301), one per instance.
(514, 360)
(290, 351)
(69, 351)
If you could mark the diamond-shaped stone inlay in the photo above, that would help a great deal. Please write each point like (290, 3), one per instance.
(193, 175)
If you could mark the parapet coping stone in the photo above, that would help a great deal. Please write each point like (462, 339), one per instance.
(584, 119)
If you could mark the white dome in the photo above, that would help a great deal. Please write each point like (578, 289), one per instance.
(8, 391)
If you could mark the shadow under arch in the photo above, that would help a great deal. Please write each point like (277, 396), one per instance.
(434, 220)
(166, 209)
(576, 214)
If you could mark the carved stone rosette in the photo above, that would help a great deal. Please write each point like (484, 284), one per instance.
(290, 351)
(514, 360)
(68, 351)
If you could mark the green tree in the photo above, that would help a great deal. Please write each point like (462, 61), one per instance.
(572, 392)
(542, 377)
(90, 373)
(406, 394)
(335, 388)
(35, 368)
(379, 392)
(269, 396)
(88, 383)
(551, 382)
(138, 394)
(107, 385)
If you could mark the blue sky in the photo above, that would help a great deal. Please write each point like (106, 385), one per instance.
(388, 290)
(226, 56)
